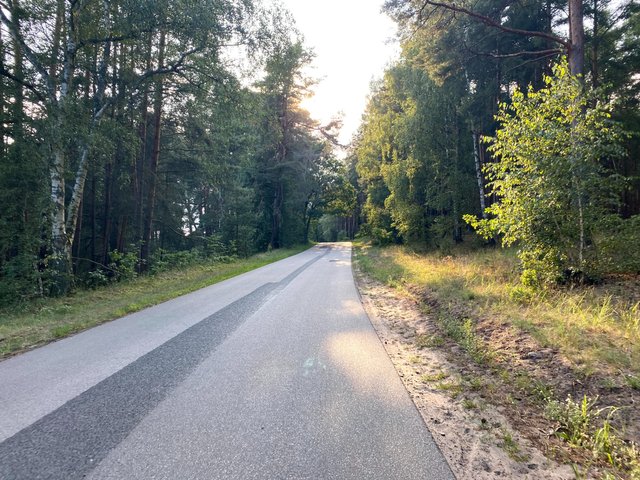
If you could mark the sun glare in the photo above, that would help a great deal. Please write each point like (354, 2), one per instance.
(353, 42)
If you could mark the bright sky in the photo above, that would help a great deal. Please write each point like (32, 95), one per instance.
(353, 42)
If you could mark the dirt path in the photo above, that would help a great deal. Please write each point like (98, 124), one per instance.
(475, 437)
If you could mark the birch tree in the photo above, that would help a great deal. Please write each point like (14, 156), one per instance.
(79, 27)
(555, 193)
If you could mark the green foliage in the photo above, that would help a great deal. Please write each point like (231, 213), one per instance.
(413, 160)
(124, 266)
(555, 195)
(583, 424)
(185, 163)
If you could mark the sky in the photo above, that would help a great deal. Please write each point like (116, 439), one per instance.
(353, 42)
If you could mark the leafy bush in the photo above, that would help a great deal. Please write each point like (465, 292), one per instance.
(123, 265)
(380, 236)
(617, 245)
(96, 278)
(555, 198)
(584, 424)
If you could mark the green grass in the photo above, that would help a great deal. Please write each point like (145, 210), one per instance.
(435, 377)
(509, 445)
(429, 341)
(596, 327)
(49, 319)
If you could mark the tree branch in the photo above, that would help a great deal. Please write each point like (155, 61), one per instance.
(31, 56)
(550, 51)
(494, 24)
(29, 86)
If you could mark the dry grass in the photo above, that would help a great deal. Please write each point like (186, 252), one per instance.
(525, 350)
(597, 327)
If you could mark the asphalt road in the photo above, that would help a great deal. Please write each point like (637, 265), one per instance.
(275, 374)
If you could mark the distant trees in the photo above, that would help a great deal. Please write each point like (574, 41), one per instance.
(127, 135)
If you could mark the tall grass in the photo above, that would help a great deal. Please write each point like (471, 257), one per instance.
(596, 327)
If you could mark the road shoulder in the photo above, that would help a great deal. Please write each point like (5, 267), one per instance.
(475, 438)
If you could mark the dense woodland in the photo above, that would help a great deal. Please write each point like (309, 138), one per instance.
(137, 135)
(515, 120)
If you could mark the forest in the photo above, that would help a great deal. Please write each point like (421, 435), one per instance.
(137, 135)
(151, 148)
(141, 135)
(518, 121)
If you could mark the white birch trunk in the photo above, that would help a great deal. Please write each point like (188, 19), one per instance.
(476, 157)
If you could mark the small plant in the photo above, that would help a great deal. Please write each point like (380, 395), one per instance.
(123, 265)
(575, 419)
(454, 389)
(583, 424)
(436, 377)
(415, 359)
(469, 404)
(512, 448)
(633, 382)
(475, 383)
(96, 278)
(429, 341)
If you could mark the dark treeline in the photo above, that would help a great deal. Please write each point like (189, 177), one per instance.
(131, 130)
(424, 155)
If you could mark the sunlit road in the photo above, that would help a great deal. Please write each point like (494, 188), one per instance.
(275, 374)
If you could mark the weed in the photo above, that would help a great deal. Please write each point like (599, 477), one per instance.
(463, 333)
(633, 381)
(454, 389)
(469, 404)
(429, 341)
(512, 448)
(436, 377)
(415, 359)
(583, 424)
(575, 419)
(475, 383)
(609, 383)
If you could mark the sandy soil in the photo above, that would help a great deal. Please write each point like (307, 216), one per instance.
(477, 438)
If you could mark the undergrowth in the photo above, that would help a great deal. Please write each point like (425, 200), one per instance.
(46, 319)
(584, 424)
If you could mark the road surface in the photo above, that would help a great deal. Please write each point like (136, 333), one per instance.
(274, 374)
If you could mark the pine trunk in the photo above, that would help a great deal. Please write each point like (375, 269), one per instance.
(145, 249)
(576, 37)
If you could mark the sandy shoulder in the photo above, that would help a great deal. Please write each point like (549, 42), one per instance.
(476, 439)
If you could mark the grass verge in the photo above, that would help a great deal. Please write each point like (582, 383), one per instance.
(596, 327)
(45, 320)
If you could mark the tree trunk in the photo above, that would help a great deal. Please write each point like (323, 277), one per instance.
(476, 157)
(139, 166)
(18, 72)
(595, 70)
(106, 212)
(57, 35)
(276, 221)
(60, 260)
(153, 164)
(576, 37)
(3, 94)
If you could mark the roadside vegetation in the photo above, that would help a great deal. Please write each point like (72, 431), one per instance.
(37, 322)
(567, 359)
